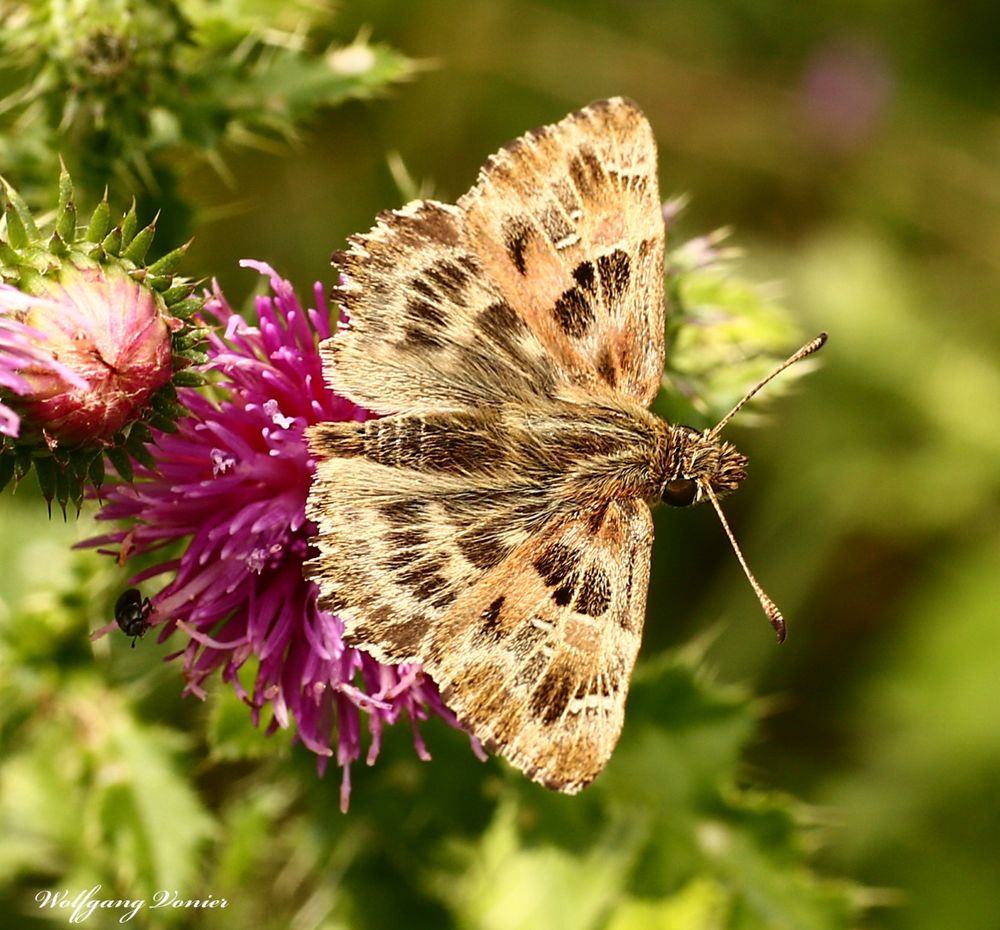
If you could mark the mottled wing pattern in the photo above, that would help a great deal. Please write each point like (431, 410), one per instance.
(449, 532)
(536, 657)
(411, 512)
(427, 327)
(549, 272)
(567, 221)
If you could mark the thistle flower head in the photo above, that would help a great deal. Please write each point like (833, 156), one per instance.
(230, 486)
(106, 336)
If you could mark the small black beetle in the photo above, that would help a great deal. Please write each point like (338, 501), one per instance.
(132, 612)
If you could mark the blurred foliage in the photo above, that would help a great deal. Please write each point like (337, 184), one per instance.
(854, 149)
(129, 91)
(99, 787)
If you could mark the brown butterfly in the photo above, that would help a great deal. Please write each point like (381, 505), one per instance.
(494, 525)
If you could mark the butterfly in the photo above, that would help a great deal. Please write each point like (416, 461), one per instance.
(494, 523)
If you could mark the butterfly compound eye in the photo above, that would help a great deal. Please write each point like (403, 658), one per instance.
(680, 492)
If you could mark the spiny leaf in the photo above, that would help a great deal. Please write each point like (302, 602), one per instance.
(18, 231)
(6, 469)
(188, 378)
(96, 471)
(186, 308)
(46, 470)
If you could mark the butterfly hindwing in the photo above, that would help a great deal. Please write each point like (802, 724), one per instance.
(536, 657)
(410, 511)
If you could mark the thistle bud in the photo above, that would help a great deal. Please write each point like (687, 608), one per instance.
(110, 332)
(92, 344)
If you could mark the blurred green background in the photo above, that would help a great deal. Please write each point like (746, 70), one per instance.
(854, 147)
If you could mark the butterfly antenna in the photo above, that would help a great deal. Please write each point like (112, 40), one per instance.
(769, 607)
(812, 346)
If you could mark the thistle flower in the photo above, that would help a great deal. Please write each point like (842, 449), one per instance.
(231, 485)
(107, 341)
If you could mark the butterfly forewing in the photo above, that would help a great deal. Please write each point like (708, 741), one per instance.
(567, 220)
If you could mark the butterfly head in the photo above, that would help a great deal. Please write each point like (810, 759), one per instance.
(701, 461)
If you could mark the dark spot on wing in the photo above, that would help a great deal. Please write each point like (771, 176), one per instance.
(564, 593)
(422, 287)
(606, 367)
(516, 234)
(444, 599)
(556, 563)
(397, 560)
(549, 700)
(584, 275)
(449, 277)
(433, 585)
(565, 195)
(614, 271)
(423, 311)
(415, 337)
(452, 446)
(525, 640)
(403, 513)
(586, 171)
(431, 222)
(555, 224)
(501, 323)
(408, 539)
(573, 312)
(595, 519)
(333, 602)
(415, 576)
(489, 619)
(398, 634)
(532, 669)
(594, 595)
(482, 546)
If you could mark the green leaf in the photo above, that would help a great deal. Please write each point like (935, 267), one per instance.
(112, 242)
(168, 264)
(152, 819)
(45, 468)
(232, 735)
